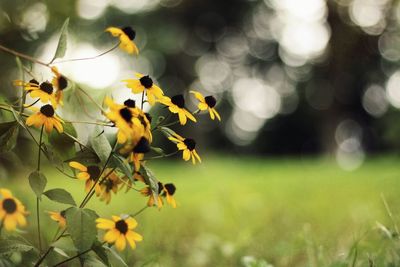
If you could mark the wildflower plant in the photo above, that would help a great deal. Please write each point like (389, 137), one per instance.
(104, 166)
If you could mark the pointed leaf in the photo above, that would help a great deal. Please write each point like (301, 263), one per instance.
(82, 227)
(100, 144)
(62, 41)
(60, 195)
(38, 182)
(101, 252)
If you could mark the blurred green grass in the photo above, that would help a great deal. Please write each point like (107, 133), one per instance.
(288, 212)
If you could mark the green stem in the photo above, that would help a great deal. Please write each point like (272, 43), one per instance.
(18, 54)
(40, 148)
(74, 257)
(140, 211)
(90, 98)
(89, 58)
(37, 198)
(141, 106)
(162, 156)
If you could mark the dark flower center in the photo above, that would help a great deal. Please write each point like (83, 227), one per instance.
(190, 143)
(126, 114)
(148, 116)
(146, 81)
(130, 103)
(109, 184)
(178, 100)
(121, 226)
(143, 146)
(94, 172)
(47, 110)
(170, 188)
(46, 87)
(143, 121)
(210, 101)
(62, 82)
(160, 187)
(62, 213)
(129, 32)
(9, 205)
(34, 82)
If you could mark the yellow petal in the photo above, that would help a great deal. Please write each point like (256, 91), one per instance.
(182, 117)
(10, 223)
(114, 31)
(111, 235)
(132, 223)
(78, 166)
(83, 176)
(198, 95)
(186, 154)
(104, 223)
(120, 244)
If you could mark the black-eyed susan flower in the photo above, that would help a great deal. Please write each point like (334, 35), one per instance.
(187, 145)
(60, 82)
(145, 83)
(12, 212)
(168, 193)
(108, 185)
(126, 119)
(45, 116)
(126, 36)
(207, 103)
(147, 192)
(137, 154)
(176, 105)
(44, 91)
(120, 230)
(58, 217)
(90, 174)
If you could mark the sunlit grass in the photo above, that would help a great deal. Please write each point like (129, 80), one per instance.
(288, 212)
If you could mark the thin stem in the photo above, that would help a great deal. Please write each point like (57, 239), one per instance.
(37, 198)
(74, 257)
(30, 105)
(18, 54)
(91, 122)
(161, 121)
(162, 156)
(38, 224)
(89, 58)
(40, 147)
(170, 124)
(140, 211)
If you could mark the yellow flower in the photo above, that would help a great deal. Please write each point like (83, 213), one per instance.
(145, 83)
(45, 116)
(187, 145)
(43, 91)
(176, 104)
(108, 185)
(127, 119)
(137, 154)
(168, 192)
(152, 199)
(60, 82)
(126, 36)
(207, 103)
(12, 212)
(119, 231)
(58, 217)
(90, 174)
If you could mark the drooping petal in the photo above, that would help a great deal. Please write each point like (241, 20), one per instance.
(83, 176)
(182, 117)
(120, 244)
(111, 235)
(104, 223)
(132, 223)
(10, 223)
(198, 95)
(114, 31)
(186, 154)
(202, 106)
(78, 166)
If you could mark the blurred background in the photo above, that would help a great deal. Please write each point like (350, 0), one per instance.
(295, 80)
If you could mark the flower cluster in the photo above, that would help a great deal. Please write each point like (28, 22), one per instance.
(103, 169)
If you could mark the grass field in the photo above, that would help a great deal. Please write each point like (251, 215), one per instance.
(285, 212)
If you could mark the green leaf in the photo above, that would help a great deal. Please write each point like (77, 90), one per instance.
(85, 156)
(116, 256)
(8, 246)
(167, 131)
(8, 140)
(20, 66)
(82, 227)
(60, 195)
(5, 126)
(62, 143)
(38, 182)
(62, 42)
(100, 144)
(150, 180)
(122, 164)
(101, 252)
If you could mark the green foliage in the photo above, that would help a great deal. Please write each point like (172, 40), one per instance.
(37, 181)
(8, 135)
(82, 227)
(60, 195)
(62, 41)
(122, 164)
(9, 246)
(101, 252)
(62, 143)
(100, 144)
